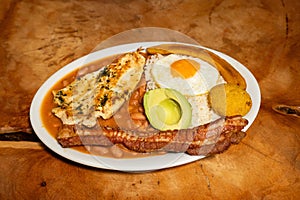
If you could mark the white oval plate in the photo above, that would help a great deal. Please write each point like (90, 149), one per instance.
(131, 164)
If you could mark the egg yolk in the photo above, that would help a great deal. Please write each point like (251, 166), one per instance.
(184, 68)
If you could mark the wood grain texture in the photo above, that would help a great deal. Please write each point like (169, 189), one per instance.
(39, 37)
(243, 172)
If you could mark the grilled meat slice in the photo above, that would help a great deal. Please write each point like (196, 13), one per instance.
(100, 93)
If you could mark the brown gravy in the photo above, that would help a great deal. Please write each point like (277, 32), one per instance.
(53, 124)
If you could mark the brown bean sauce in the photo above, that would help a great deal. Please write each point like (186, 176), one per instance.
(121, 119)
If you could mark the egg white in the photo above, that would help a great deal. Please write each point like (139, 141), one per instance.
(204, 79)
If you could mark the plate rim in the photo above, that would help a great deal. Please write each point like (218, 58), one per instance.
(76, 156)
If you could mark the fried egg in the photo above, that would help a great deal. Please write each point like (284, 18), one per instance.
(100, 93)
(190, 76)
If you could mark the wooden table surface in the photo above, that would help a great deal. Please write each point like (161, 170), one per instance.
(39, 37)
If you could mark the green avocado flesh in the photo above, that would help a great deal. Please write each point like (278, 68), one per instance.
(167, 109)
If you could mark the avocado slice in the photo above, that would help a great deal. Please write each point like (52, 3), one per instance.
(167, 109)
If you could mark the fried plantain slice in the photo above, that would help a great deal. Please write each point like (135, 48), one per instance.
(229, 73)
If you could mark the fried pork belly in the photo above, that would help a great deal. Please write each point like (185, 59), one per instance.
(207, 139)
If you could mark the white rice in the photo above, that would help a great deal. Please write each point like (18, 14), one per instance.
(201, 111)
